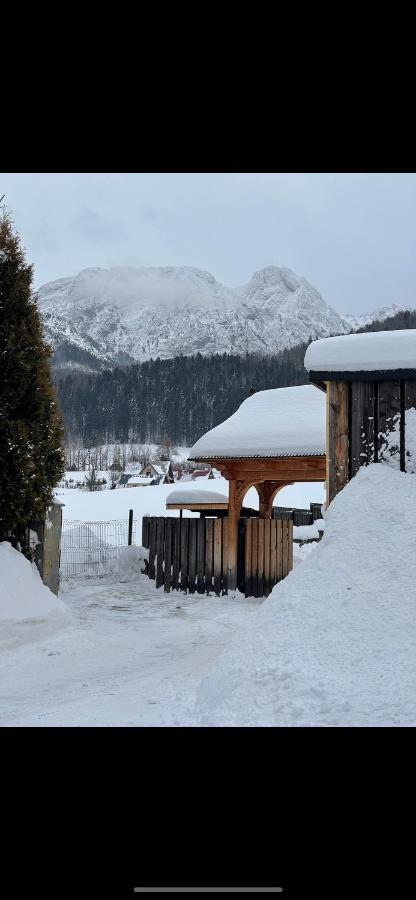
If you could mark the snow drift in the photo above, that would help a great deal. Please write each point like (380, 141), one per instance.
(23, 596)
(335, 643)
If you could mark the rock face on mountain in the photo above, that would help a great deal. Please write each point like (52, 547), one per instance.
(105, 317)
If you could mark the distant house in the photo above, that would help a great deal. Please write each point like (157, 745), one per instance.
(140, 481)
(162, 471)
(202, 473)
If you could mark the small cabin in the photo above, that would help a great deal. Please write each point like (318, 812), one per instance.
(161, 470)
(139, 481)
(370, 385)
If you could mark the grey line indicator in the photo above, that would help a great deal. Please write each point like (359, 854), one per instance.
(208, 890)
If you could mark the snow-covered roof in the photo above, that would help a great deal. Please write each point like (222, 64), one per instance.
(275, 423)
(140, 479)
(379, 351)
(192, 495)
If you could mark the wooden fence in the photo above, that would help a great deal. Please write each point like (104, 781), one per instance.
(265, 555)
(191, 554)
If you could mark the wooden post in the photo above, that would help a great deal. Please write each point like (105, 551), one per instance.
(168, 553)
(160, 547)
(200, 556)
(233, 516)
(130, 527)
(217, 556)
(338, 439)
(209, 553)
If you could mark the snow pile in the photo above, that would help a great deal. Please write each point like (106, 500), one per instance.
(23, 596)
(131, 563)
(305, 532)
(375, 351)
(335, 643)
(279, 422)
(410, 442)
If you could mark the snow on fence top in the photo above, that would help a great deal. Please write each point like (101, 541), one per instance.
(275, 423)
(379, 351)
(181, 495)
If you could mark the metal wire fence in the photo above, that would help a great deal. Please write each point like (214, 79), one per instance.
(92, 549)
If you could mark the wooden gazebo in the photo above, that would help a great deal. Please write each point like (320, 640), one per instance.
(275, 438)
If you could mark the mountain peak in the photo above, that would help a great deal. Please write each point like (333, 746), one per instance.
(134, 314)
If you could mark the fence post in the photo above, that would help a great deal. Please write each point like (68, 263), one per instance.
(130, 527)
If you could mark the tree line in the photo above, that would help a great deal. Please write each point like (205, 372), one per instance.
(183, 397)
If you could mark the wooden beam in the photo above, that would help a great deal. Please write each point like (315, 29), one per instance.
(337, 438)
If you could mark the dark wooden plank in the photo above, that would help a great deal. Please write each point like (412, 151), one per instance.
(145, 531)
(209, 554)
(240, 556)
(260, 559)
(130, 529)
(193, 524)
(338, 442)
(184, 553)
(254, 556)
(273, 553)
(248, 556)
(152, 546)
(290, 542)
(176, 553)
(200, 556)
(279, 549)
(167, 575)
(217, 556)
(388, 419)
(362, 424)
(266, 581)
(160, 550)
(284, 548)
(410, 394)
(225, 555)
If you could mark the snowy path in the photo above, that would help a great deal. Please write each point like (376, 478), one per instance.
(129, 657)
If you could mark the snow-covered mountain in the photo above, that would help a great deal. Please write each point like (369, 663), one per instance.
(104, 317)
(385, 312)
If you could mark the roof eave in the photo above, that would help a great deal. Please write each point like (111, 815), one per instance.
(318, 377)
(226, 456)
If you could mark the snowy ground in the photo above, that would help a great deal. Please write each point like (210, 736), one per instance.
(132, 655)
(333, 645)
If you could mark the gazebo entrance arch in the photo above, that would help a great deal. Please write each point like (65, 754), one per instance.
(268, 476)
(276, 438)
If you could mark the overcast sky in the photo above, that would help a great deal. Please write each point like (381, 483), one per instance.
(351, 235)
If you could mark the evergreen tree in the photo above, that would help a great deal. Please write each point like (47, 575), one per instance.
(31, 432)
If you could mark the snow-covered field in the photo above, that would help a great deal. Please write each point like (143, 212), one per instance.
(151, 500)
